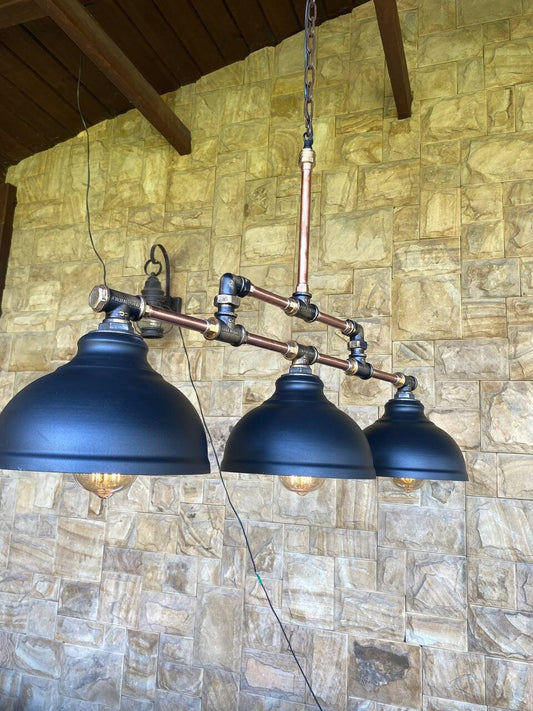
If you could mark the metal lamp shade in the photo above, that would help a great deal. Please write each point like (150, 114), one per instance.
(298, 432)
(105, 411)
(405, 444)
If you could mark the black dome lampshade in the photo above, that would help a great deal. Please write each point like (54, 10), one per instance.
(298, 432)
(406, 445)
(105, 411)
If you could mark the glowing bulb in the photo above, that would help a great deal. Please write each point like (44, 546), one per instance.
(407, 484)
(301, 485)
(103, 485)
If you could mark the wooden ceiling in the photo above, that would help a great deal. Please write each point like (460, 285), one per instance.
(170, 42)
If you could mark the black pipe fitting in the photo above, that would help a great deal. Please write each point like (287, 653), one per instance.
(364, 369)
(231, 333)
(307, 311)
(309, 354)
(234, 285)
(411, 383)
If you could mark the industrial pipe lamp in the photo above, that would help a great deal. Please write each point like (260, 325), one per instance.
(107, 416)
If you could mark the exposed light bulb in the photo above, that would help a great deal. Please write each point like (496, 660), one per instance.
(103, 485)
(302, 485)
(408, 484)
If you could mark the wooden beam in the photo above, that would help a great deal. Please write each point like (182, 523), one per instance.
(16, 12)
(84, 31)
(391, 36)
(8, 200)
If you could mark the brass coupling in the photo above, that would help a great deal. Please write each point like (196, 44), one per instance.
(292, 350)
(212, 332)
(307, 156)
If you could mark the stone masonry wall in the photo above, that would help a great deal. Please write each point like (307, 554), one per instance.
(422, 231)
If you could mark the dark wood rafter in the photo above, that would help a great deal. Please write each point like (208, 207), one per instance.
(391, 37)
(8, 200)
(17, 12)
(83, 29)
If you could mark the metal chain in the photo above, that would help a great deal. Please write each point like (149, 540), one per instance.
(310, 71)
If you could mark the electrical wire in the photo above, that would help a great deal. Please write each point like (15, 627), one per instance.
(88, 185)
(241, 524)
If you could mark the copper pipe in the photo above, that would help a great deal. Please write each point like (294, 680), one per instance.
(191, 322)
(394, 378)
(307, 161)
(268, 344)
(268, 297)
(333, 362)
(333, 321)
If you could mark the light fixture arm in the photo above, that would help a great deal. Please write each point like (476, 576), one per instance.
(223, 327)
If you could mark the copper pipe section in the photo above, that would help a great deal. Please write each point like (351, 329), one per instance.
(267, 343)
(190, 322)
(307, 161)
(394, 378)
(333, 321)
(333, 362)
(268, 297)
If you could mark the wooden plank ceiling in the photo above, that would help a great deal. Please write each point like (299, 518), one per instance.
(170, 42)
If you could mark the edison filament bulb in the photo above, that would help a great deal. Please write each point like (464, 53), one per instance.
(302, 485)
(408, 484)
(103, 485)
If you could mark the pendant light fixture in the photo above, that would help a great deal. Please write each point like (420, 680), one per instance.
(107, 415)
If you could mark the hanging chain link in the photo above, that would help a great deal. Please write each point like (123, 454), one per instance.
(310, 71)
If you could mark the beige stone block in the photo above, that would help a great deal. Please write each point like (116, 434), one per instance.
(454, 117)
(482, 240)
(501, 110)
(359, 239)
(500, 632)
(190, 189)
(248, 102)
(436, 585)
(506, 426)
(271, 242)
(456, 394)
(358, 123)
(469, 75)
(454, 675)
(228, 205)
(401, 139)
(481, 203)
(283, 150)
(390, 184)
(316, 508)
(514, 479)
(497, 158)
(521, 352)
(265, 673)
(200, 530)
(339, 191)
(441, 176)
(508, 63)
(308, 586)
(482, 474)
(439, 47)
(520, 311)
(518, 231)
(258, 65)
(525, 586)
(79, 548)
(242, 136)
(355, 574)
(409, 354)
(219, 629)
(509, 684)
(466, 431)
(441, 632)
(439, 213)
(370, 614)
(385, 671)
(527, 276)
(231, 75)
(406, 223)
(372, 296)
(330, 100)
(436, 16)
(520, 193)
(167, 613)
(473, 12)
(436, 81)
(156, 533)
(472, 359)
(491, 583)
(521, 26)
(496, 31)
(500, 528)
(423, 529)
(360, 149)
(366, 87)
(490, 278)
(524, 107)
(425, 307)
(260, 199)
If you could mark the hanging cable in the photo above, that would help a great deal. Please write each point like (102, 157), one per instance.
(241, 524)
(88, 185)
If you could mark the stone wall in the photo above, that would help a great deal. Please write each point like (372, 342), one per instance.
(422, 231)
